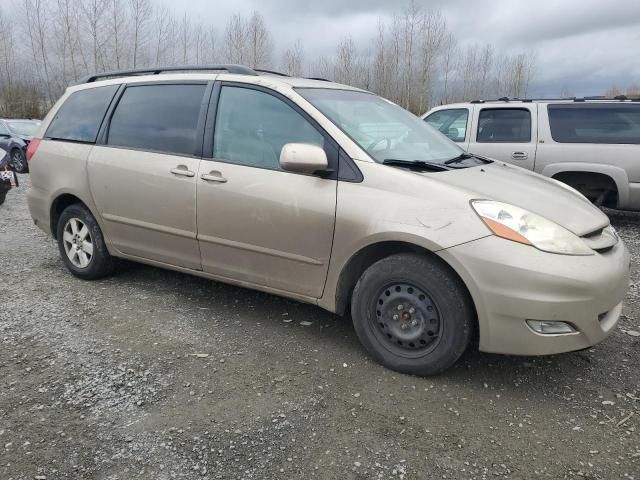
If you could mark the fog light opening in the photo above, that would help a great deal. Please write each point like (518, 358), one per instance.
(550, 327)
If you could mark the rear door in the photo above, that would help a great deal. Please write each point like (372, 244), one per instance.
(257, 223)
(143, 172)
(506, 132)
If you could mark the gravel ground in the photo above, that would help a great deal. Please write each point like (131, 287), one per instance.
(152, 374)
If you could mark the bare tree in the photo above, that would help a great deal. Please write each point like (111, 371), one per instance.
(412, 58)
(117, 29)
(141, 12)
(235, 39)
(259, 43)
(94, 16)
(293, 60)
(163, 33)
(450, 53)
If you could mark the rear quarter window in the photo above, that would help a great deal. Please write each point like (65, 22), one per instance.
(80, 116)
(595, 123)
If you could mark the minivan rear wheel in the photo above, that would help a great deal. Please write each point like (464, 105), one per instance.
(412, 314)
(81, 244)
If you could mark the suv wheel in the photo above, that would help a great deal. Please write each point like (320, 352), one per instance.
(19, 161)
(81, 244)
(412, 314)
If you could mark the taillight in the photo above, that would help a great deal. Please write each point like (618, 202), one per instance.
(31, 149)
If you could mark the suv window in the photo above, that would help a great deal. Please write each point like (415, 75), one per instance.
(160, 118)
(79, 118)
(252, 127)
(597, 123)
(504, 125)
(452, 122)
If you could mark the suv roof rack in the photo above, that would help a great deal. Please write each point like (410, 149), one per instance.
(230, 68)
(619, 98)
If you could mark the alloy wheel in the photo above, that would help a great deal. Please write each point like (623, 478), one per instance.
(78, 243)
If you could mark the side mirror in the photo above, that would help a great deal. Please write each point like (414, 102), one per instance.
(303, 158)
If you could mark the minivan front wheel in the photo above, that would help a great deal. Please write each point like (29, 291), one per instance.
(81, 244)
(412, 314)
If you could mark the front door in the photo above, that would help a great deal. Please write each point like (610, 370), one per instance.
(256, 223)
(143, 180)
(506, 132)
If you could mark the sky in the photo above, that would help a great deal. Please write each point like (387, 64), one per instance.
(583, 47)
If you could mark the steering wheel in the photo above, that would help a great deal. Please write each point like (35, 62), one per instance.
(373, 146)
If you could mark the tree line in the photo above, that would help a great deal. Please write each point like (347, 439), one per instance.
(413, 59)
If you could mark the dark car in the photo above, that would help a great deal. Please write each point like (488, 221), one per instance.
(15, 136)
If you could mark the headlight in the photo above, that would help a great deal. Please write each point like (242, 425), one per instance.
(519, 225)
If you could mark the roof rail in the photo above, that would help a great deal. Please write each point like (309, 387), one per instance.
(271, 72)
(230, 68)
(620, 98)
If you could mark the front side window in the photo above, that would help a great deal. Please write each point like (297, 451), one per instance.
(158, 118)
(381, 128)
(451, 122)
(595, 123)
(252, 127)
(79, 118)
(504, 125)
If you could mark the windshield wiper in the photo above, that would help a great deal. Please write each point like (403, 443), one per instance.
(420, 164)
(466, 156)
(459, 158)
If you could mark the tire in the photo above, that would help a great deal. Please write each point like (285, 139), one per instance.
(19, 161)
(412, 314)
(84, 253)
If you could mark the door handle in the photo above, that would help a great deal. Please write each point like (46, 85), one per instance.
(519, 155)
(183, 171)
(213, 176)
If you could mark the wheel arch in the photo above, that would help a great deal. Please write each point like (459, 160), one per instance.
(366, 256)
(61, 201)
(611, 174)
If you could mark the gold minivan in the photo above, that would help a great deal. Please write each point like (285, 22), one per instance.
(329, 195)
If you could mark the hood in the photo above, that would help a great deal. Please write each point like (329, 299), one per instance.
(536, 193)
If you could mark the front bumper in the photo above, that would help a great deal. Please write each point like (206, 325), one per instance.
(511, 283)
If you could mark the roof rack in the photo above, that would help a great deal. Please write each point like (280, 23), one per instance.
(619, 98)
(230, 68)
(270, 72)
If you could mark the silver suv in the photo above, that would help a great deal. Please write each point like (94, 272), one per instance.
(328, 195)
(591, 145)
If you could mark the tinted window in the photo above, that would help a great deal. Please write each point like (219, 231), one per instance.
(453, 122)
(253, 126)
(506, 125)
(79, 118)
(604, 123)
(162, 118)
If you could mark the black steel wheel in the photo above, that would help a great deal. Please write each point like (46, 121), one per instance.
(413, 314)
(407, 320)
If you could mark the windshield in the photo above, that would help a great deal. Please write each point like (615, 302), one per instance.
(381, 128)
(23, 127)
